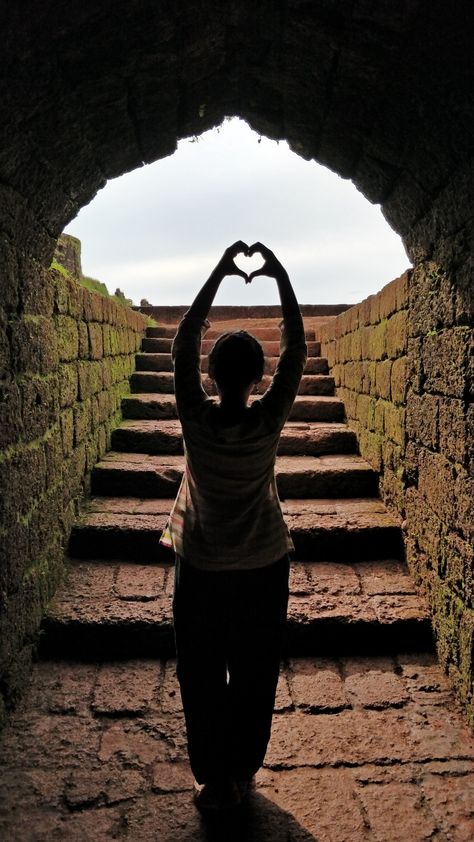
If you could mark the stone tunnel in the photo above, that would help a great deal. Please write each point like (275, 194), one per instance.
(379, 92)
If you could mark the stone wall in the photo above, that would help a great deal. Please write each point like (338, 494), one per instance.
(65, 358)
(403, 364)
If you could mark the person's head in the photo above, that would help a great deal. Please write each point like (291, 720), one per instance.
(236, 362)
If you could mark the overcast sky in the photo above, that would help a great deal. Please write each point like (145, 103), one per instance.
(157, 232)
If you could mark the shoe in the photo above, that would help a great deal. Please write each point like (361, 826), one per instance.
(215, 796)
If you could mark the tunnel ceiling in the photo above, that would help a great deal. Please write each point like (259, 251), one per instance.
(379, 91)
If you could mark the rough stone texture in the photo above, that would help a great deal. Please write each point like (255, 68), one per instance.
(112, 609)
(357, 752)
(69, 385)
(369, 89)
(408, 395)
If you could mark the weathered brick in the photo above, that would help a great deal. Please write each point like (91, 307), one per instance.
(382, 379)
(394, 422)
(397, 334)
(445, 358)
(388, 299)
(39, 405)
(68, 384)
(399, 380)
(436, 482)
(68, 338)
(83, 340)
(422, 419)
(378, 341)
(34, 345)
(356, 345)
(95, 341)
(82, 420)
(370, 446)
(67, 431)
(453, 433)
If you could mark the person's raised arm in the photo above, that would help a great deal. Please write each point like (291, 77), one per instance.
(278, 399)
(226, 266)
(273, 269)
(186, 349)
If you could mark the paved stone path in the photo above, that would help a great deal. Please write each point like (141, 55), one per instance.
(361, 749)
(368, 742)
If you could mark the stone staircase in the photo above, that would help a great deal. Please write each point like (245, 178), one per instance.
(349, 589)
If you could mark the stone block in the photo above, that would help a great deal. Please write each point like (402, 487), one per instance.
(416, 377)
(423, 525)
(402, 289)
(382, 379)
(83, 340)
(392, 489)
(39, 405)
(365, 311)
(375, 313)
(365, 333)
(394, 423)
(388, 299)
(397, 335)
(399, 380)
(379, 417)
(96, 346)
(34, 345)
(68, 338)
(422, 419)
(364, 409)
(67, 431)
(370, 447)
(453, 433)
(68, 384)
(445, 358)
(61, 290)
(74, 300)
(11, 419)
(36, 288)
(432, 299)
(437, 484)
(106, 339)
(378, 341)
(82, 420)
(356, 345)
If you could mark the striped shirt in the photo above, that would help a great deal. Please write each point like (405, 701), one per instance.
(227, 514)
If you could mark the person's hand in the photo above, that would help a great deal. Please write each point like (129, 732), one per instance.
(272, 267)
(227, 266)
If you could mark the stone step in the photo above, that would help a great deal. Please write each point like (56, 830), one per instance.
(115, 610)
(322, 530)
(160, 406)
(163, 363)
(313, 438)
(163, 382)
(263, 334)
(141, 475)
(270, 348)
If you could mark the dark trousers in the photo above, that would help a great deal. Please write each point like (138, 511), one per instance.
(229, 628)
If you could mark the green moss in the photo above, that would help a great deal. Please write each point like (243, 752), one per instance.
(59, 268)
(94, 286)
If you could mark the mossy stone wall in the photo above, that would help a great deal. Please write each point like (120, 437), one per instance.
(403, 363)
(65, 358)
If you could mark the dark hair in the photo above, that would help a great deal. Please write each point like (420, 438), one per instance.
(236, 360)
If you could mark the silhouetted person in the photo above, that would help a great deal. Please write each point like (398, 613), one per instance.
(230, 539)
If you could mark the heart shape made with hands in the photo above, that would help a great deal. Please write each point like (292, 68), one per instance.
(249, 264)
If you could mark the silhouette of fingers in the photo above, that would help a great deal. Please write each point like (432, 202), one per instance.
(256, 273)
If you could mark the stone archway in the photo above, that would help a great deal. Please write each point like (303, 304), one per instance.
(379, 92)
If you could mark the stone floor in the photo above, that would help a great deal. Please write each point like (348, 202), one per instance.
(361, 749)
